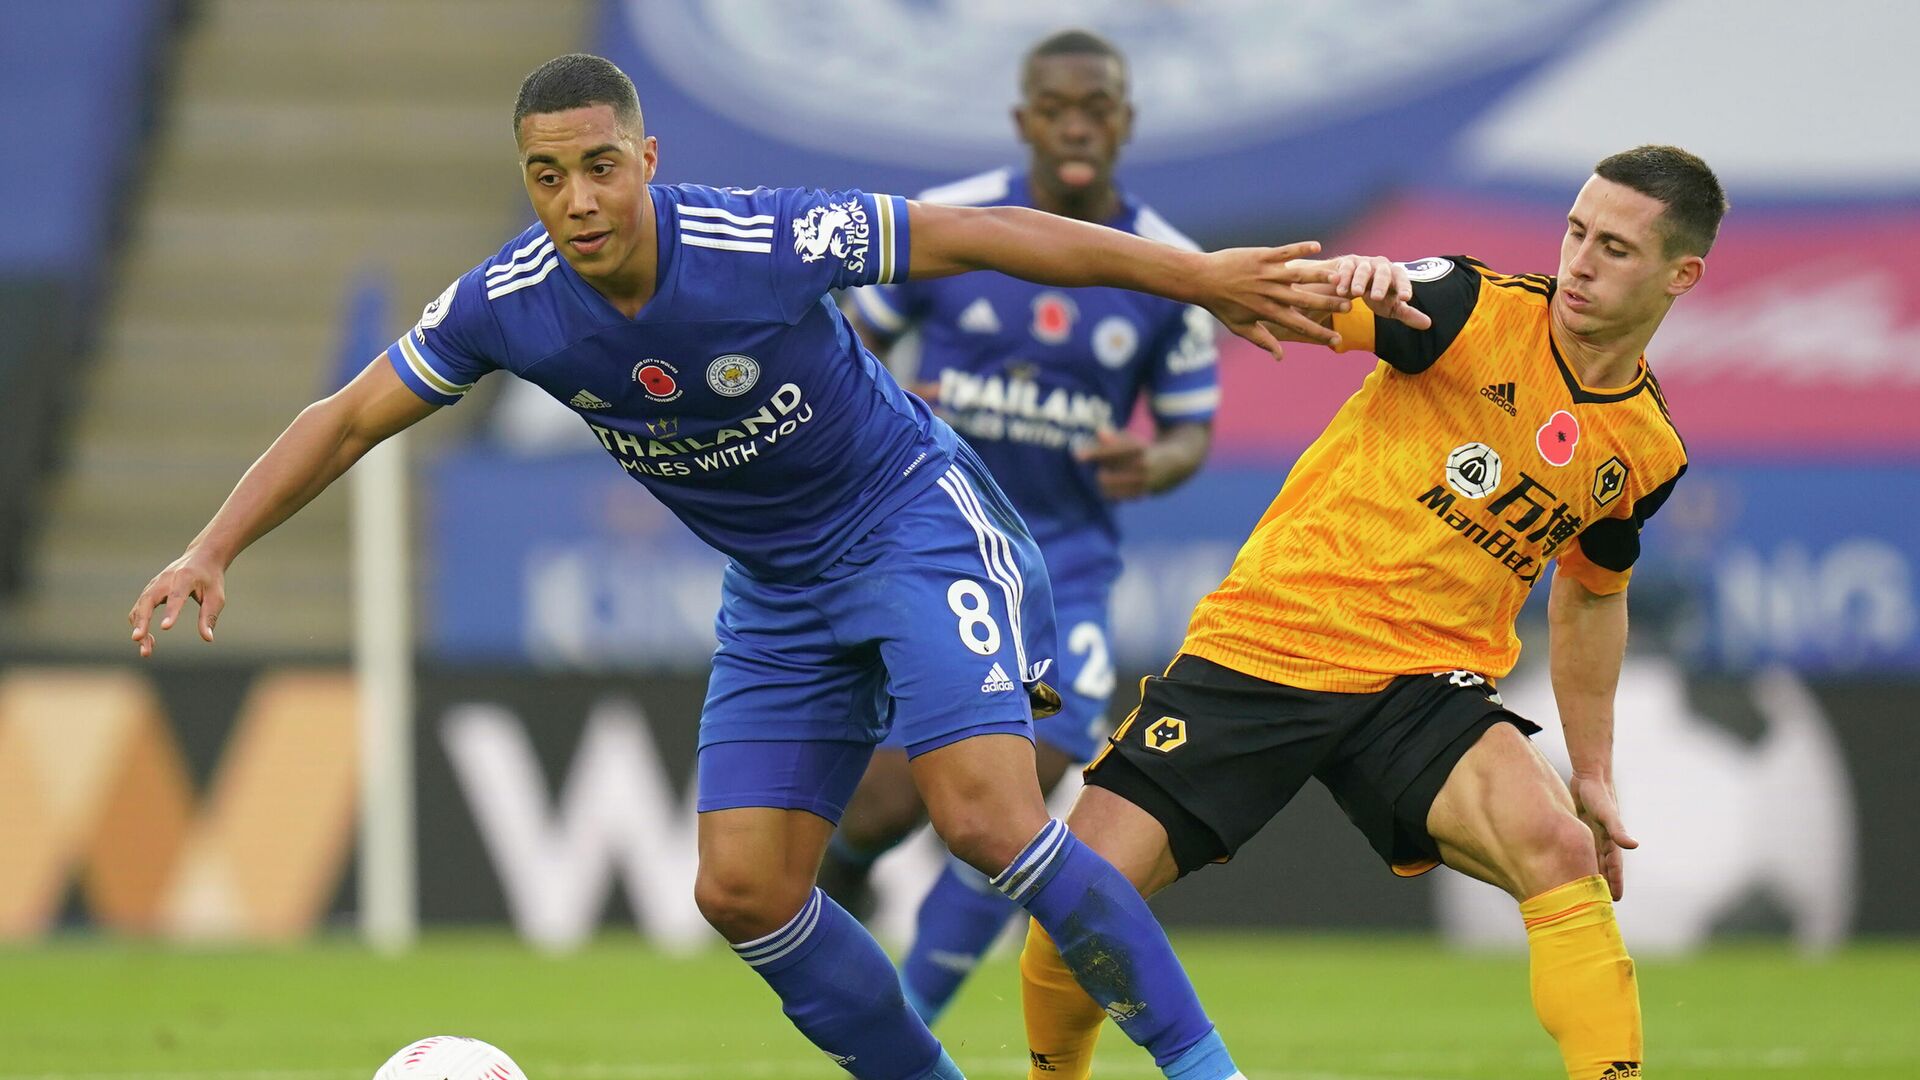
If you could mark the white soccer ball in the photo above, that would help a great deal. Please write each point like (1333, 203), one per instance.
(449, 1057)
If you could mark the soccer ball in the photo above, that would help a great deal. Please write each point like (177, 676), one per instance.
(449, 1057)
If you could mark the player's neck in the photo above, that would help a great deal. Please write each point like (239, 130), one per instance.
(1602, 364)
(1098, 203)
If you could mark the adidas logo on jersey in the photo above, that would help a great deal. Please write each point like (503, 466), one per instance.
(1501, 394)
(978, 318)
(587, 399)
(996, 681)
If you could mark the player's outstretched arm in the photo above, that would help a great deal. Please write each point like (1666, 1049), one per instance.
(322, 442)
(1588, 639)
(1248, 289)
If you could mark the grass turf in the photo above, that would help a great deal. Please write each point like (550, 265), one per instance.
(1293, 1008)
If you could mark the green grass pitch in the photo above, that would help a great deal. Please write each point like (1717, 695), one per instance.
(1293, 1008)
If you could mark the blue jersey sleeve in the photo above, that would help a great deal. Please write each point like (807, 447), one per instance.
(825, 240)
(1183, 385)
(455, 342)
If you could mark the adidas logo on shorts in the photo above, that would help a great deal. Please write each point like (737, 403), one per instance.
(996, 680)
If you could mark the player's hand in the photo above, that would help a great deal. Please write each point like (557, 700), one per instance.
(1593, 798)
(1381, 284)
(192, 576)
(1249, 288)
(1120, 464)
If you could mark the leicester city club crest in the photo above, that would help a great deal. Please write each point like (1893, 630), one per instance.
(733, 374)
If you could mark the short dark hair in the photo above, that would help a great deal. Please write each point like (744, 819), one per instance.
(1071, 43)
(1695, 202)
(575, 81)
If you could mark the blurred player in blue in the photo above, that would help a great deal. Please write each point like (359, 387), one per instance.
(1041, 382)
(878, 579)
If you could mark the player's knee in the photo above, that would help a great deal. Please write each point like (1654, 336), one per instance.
(744, 905)
(979, 838)
(1549, 850)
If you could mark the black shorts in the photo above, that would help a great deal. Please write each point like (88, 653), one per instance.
(1213, 754)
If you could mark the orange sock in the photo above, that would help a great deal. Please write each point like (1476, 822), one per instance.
(1063, 1022)
(1584, 988)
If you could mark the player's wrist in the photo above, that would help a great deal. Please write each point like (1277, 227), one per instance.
(1187, 277)
(209, 551)
(1594, 773)
(1164, 470)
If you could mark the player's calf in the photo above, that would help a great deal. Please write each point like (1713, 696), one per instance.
(981, 792)
(884, 811)
(885, 808)
(755, 885)
(1504, 816)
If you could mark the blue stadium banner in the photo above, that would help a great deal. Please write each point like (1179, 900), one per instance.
(564, 562)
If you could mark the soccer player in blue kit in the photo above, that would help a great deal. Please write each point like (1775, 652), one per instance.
(1041, 383)
(876, 575)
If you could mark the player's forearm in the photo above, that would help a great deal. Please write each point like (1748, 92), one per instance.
(1177, 453)
(1588, 639)
(310, 454)
(1046, 249)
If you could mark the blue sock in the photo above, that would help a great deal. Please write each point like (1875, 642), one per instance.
(837, 986)
(1115, 949)
(960, 918)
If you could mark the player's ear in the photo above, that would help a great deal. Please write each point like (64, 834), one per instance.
(649, 158)
(1687, 272)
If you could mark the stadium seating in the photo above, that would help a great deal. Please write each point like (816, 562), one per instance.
(275, 181)
(79, 129)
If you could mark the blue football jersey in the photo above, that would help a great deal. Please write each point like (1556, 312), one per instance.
(1029, 373)
(739, 395)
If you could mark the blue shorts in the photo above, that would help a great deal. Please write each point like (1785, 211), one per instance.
(1084, 676)
(929, 627)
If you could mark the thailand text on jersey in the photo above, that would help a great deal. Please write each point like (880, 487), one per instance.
(739, 394)
(1407, 536)
(1027, 373)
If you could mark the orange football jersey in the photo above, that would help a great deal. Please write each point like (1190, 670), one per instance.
(1406, 538)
